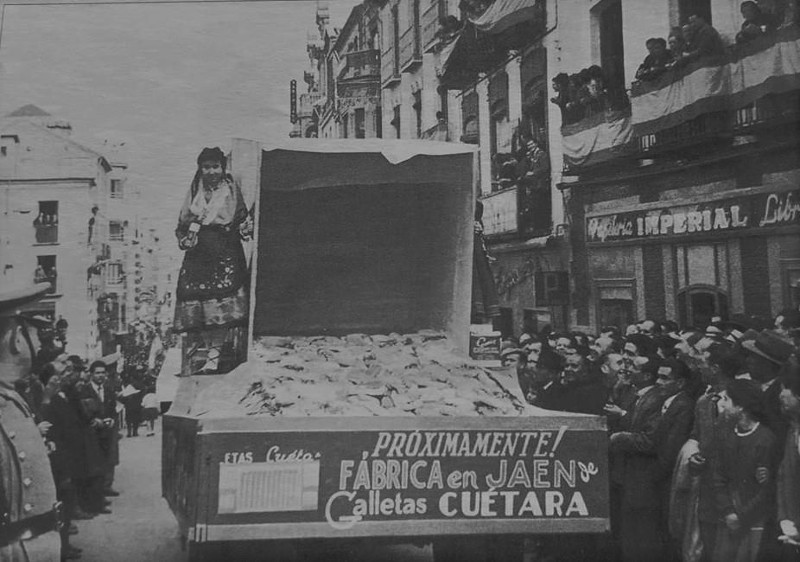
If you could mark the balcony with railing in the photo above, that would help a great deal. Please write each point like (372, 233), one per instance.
(751, 86)
(390, 67)
(50, 277)
(307, 103)
(439, 132)
(707, 104)
(500, 212)
(520, 211)
(46, 233)
(361, 64)
(519, 205)
(431, 23)
(410, 50)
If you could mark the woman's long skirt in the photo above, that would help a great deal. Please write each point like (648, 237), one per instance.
(212, 285)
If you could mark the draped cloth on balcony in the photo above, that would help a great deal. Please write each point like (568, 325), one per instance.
(467, 55)
(597, 138)
(503, 14)
(767, 65)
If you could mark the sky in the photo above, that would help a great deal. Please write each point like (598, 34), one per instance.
(165, 79)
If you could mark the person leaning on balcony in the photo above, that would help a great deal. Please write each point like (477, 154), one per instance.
(561, 88)
(655, 63)
(595, 85)
(755, 24)
(702, 41)
(537, 161)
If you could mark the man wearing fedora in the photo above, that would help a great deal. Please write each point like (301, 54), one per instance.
(766, 355)
(29, 514)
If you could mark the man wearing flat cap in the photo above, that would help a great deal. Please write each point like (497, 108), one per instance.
(28, 509)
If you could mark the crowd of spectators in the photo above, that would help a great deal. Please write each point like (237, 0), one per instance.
(79, 409)
(45, 219)
(586, 93)
(698, 39)
(704, 432)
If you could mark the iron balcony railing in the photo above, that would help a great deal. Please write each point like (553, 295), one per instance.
(410, 50)
(361, 64)
(46, 233)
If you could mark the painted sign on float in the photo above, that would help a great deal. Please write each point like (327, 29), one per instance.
(755, 211)
(427, 475)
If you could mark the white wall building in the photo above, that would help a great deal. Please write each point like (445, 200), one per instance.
(55, 220)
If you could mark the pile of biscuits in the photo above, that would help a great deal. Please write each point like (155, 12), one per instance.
(417, 374)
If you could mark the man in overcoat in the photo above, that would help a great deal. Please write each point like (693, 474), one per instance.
(29, 512)
(641, 501)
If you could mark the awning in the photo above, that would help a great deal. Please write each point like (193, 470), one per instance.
(503, 14)
(461, 61)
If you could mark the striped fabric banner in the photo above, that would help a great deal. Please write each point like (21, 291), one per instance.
(767, 65)
(597, 138)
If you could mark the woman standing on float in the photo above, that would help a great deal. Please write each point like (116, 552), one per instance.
(212, 295)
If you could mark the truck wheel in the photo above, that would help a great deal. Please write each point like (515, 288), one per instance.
(478, 549)
(459, 549)
(203, 552)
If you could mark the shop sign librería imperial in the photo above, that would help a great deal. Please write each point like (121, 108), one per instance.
(753, 211)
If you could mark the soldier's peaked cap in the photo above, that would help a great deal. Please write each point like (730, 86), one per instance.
(13, 297)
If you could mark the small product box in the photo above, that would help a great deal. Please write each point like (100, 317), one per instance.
(484, 344)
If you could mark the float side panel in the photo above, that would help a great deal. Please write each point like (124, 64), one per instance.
(180, 467)
(491, 478)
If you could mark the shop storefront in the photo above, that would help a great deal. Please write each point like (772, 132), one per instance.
(691, 259)
(532, 286)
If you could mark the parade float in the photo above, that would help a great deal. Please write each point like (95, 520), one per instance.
(357, 413)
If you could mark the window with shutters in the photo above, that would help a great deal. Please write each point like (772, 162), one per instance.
(46, 223)
(396, 40)
(116, 231)
(46, 272)
(396, 121)
(469, 117)
(114, 273)
(418, 112)
(116, 189)
(616, 303)
(500, 132)
(551, 288)
(360, 123)
(700, 8)
(607, 17)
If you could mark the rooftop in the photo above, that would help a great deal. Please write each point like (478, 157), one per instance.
(29, 110)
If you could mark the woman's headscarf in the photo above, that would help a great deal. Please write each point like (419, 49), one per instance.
(213, 154)
(231, 210)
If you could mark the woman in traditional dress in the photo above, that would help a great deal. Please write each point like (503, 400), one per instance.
(212, 294)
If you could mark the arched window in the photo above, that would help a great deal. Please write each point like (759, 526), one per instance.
(699, 304)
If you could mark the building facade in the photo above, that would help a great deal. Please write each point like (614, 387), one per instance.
(497, 57)
(154, 282)
(62, 213)
(674, 198)
(687, 205)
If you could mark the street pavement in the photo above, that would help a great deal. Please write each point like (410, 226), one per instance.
(141, 528)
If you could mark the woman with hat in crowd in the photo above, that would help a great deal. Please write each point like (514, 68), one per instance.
(212, 290)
